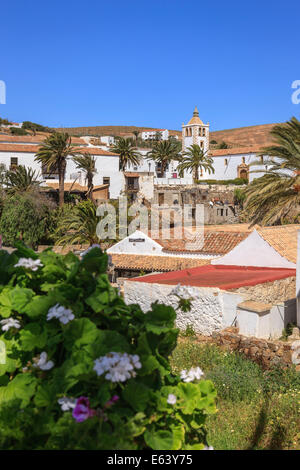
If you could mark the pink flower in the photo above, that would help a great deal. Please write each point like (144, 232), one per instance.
(82, 410)
(112, 401)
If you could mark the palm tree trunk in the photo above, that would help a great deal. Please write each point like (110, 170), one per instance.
(196, 174)
(61, 184)
(90, 188)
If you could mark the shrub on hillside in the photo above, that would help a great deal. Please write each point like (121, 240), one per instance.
(26, 216)
(83, 369)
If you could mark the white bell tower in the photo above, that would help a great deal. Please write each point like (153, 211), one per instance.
(195, 132)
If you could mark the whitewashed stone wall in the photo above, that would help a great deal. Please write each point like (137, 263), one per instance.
(205, 316)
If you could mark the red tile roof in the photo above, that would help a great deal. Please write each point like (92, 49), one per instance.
(222, 277)
(155, 263)
(18, 139)
(213, 242)
(27, 148)
(235, 151)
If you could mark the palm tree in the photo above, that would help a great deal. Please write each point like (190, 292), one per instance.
(78, 225)
(195, 159)
(136, 134)
(21, 180)
(53, 155)
(87, 164)
(163, 152)
(276, 195)
(126, 151)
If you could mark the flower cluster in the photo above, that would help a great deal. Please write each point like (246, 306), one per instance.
(184, 292)
(67, 403)
(171, 400)
(118, 367)
(29, 263)
(63, 314)
(82, 410)
(9, 323)
(195, 373)
(43, 362)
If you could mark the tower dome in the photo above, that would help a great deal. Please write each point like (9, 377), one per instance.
(195, 119)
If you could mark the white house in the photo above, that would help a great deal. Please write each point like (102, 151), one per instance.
(253, 286)
(152, 135)
(14, 152)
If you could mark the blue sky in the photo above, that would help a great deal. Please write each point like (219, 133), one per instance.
(148, 63)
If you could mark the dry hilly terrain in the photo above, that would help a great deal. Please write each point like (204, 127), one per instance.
(238, 137)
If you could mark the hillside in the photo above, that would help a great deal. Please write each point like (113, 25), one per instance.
(110, 130)
(238, 137)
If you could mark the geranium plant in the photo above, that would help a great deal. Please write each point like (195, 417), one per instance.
(84, 370)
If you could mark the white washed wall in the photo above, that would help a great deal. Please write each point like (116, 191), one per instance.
(205, 315)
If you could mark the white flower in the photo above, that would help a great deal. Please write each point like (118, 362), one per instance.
(171, 399)
(95, 245)
(42, 363)
(191, 375)
(29, 263)
(208, 448)
(118, 367)
(67, 403)
(184, 292)
(63, 314)
(9, 323)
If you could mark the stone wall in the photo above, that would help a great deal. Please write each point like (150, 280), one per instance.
(266, 353)
(270, 292)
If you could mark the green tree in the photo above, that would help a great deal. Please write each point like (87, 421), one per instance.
(25, 216)
(163, 152)
(276, 195)
(53, 154)
(21, 180)
(195, 159)
(127, 152)
(87, 164)
(78, 224)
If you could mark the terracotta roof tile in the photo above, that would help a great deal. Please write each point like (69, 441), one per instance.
(155, 263)
(18, 139)
(27, 148)
(74, 186)
(213, 243)
(283, 238)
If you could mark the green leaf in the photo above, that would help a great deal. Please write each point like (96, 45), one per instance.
(22, 387)
(95, 261)
(79, 333)
(14, 299)
(190, 396)
(165, 440)
(39, 306)
(31, 337)
(137, 395)
(110, 341)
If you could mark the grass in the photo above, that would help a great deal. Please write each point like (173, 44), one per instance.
(256, 409)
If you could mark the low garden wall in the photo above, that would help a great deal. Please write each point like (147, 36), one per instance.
(267, 353)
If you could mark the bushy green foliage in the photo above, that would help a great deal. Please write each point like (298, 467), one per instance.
(141, 417)
(33, 126)
(18, 131)
(25, 216)
(236, 181)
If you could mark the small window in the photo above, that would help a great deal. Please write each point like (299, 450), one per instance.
(226, 161)
(262, 159)
(106, 180)
(243, 159)
(203, 132)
